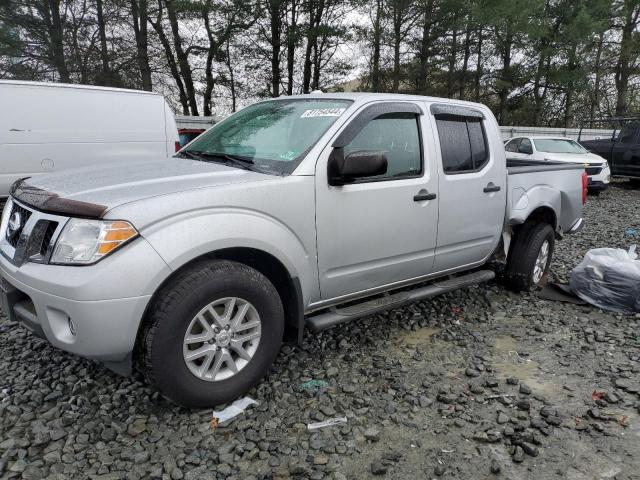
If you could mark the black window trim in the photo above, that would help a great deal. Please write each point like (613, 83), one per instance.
(371, 112)
(480, 117)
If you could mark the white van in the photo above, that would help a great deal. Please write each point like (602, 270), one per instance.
(51, 126)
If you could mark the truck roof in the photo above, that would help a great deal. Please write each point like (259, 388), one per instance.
(369, 96)
(75, 86)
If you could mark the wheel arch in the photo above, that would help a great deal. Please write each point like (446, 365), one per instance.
(288, 286)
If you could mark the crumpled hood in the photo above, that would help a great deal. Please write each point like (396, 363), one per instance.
(574, 157)
(110, 186)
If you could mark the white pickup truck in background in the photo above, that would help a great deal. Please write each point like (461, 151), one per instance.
(303, 211)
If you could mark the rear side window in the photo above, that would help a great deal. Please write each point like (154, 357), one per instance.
(463, 143)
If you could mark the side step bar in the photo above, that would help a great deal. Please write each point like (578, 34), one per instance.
(336, 316)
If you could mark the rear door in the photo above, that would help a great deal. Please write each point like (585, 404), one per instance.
(472, 186)
(378, 230)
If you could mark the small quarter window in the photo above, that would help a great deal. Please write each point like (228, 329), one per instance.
(463, 143)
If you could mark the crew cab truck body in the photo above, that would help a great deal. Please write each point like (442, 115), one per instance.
(621, 151)
(297, 212)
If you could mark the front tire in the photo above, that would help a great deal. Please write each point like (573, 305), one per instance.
(212, 334)
(530, 257)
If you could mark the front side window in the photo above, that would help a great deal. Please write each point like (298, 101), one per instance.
(628, 133)
(512, 146)
(272, 136)
(558, 145)
(398, 136)
(525, 146)
(463, 143)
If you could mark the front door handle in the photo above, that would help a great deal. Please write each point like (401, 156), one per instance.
(424, 195)
(491, 188)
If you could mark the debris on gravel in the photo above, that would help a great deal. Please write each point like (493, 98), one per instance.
(475, 383)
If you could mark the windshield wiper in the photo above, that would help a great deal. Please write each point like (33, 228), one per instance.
(235, 160)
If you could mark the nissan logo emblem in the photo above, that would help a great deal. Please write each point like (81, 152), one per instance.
(15, 223)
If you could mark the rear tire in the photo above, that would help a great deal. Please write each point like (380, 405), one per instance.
(529, 257)
(212, 307)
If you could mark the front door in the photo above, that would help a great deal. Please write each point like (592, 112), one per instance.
(472, 187)
(378, 230)
(626, 151)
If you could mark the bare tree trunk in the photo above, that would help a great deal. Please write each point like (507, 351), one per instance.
(505, 76)
(107, 78)
(597, 67)
(315, 82)
(171, 60)
(232, 82)
(292, 37)
(210, 83)
(568, 110)
(465, 60)
(398, 16)
(478, 76)
(377, 38)
(623, 66)
(275, 9)
(306, 69)
(425, 48)
(140, 14)
(51, 15)
(182, 57)
(452, 61)
(537, 96)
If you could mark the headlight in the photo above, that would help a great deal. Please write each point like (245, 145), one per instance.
(87, 241)
(605, 165)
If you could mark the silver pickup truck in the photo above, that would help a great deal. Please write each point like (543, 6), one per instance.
(298, 212)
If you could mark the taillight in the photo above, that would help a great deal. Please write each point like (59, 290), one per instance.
(585, 186)
(178, 147)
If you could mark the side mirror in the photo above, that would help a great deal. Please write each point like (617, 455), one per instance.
(345, 169)
(526, 150)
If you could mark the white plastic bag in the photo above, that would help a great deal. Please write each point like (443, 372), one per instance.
(609, 278)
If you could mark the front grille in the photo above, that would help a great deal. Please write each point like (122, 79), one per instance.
(13, 235)
(32, 235)
(47, 237)
(593, 170)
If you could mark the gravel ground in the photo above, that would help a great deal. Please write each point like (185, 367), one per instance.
(481, 383)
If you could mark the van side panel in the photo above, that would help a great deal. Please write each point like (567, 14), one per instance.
(51, 128)
(171, 129)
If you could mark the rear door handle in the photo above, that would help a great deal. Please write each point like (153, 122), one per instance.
(491, 188)
(424, 195)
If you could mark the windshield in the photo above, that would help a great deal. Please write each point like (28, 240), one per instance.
(558, 145)
(272, 137)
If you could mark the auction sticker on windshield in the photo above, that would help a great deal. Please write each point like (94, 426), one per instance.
(322, 112)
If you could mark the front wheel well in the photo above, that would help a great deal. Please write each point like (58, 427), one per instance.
(288, 287)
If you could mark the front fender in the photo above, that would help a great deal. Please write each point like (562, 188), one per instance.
(185, 237)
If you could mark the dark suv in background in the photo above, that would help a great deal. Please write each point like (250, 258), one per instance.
(622, 151)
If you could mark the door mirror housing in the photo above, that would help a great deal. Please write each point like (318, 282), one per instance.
(363, 163)
(526, 149)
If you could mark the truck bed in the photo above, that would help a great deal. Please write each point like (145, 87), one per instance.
(556, 185)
